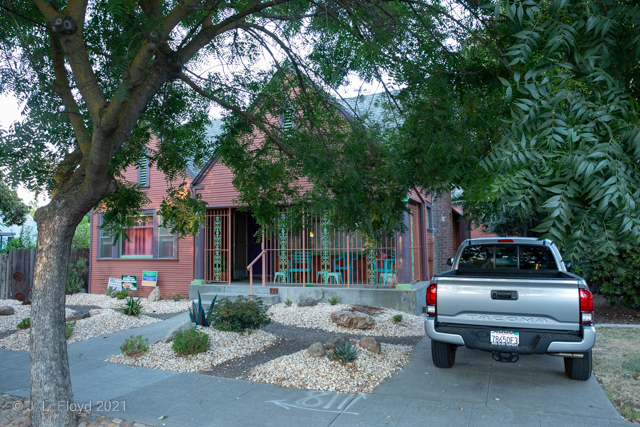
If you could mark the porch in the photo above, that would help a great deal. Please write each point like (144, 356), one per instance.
(409, 301)
(236, 249)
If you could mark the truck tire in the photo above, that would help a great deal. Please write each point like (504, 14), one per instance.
(443, 354)
(578, 369)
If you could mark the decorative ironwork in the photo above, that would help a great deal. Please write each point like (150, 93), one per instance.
(284, 266)
(413, 261)
(371, 260)
(217, 258)
(325, 250)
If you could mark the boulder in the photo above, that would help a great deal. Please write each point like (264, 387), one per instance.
(352, 319)
(307, 302)
(316, 350)
(154, 295)
(186, 325)
(371, 344)
(77, 315)
(6, 310)
(82, 291)
(336, 342)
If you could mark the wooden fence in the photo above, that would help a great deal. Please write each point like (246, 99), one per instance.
(16, 271)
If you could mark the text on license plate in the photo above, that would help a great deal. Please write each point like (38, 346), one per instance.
(505, 338)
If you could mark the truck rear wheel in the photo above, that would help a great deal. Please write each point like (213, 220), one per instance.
(443, 354)
(578, 369)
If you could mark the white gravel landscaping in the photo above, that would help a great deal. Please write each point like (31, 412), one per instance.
(321, 373)
(319, 317)
(103, 321)
(224, 346)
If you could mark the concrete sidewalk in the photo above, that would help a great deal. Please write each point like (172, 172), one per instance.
(477, 391)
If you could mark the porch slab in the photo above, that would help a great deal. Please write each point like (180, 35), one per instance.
(410, 301)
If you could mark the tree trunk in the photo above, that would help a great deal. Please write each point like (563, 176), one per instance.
(51, 393)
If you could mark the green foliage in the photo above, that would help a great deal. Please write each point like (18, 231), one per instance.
(24, 323)
(240, 315)
(12, 210)
(191, 341)
(198, 315)
(135, 346)
(288, 302)
(616, 276)
(181, 213)
(397, 318)
(74, 275)
(68, 328)
(122, 294)
(343, 353)
(26, 240)
(333, 300)
(108, 291)
(176, 297)
(132, 307)
(82, 236)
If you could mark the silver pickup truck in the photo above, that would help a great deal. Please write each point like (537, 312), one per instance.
(511, 296)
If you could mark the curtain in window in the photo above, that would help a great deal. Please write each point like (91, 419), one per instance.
(140, 242)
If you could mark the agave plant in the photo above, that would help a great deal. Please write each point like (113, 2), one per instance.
(344, 353)
(197, 313)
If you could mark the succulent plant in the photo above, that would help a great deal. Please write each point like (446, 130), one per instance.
(197, 313)
(344, 353)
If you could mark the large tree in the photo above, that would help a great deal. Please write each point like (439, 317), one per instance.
(100, 77)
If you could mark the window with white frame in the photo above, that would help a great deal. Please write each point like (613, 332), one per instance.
(147, 239)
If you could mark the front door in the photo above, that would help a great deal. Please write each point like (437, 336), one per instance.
(240, 247)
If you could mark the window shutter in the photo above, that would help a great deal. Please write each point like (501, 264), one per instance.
(287, 120)
(143, 165)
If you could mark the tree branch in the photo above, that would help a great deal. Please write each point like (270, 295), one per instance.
(239, 111)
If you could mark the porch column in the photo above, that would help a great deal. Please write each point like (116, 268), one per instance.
(403, 253)
(198, 257)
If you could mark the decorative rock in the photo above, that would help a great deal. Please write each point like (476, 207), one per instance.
(371, 344)
(335, 342)
(307, 302)
(154, 295)
(353, 320)
(316, 350)
(6, 310)
(187, 324)
(78, 315)
(82, 291)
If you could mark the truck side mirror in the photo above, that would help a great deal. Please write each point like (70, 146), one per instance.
(568, 265)
(450, 261)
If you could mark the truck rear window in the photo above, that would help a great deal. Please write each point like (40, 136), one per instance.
(509, 257)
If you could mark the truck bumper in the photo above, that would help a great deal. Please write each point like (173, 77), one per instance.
(541, 346)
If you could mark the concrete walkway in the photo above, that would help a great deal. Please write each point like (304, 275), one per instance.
(476, 392)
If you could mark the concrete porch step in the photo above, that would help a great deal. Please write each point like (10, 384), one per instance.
(207, 297)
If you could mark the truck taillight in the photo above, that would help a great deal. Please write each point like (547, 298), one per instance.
(586, 307)
(431, 300)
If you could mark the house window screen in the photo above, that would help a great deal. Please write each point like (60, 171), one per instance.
(140, 238)
(105, 244)
(166, 241)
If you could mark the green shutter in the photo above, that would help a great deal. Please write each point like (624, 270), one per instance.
(143, 165)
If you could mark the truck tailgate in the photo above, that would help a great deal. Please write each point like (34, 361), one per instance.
(509, 302)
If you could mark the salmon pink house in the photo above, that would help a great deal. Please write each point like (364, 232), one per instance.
(229, 248)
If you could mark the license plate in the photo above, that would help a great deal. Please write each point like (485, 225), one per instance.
(504, 338)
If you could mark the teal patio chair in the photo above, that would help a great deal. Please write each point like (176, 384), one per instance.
(301, 263)
(386, 270)
(340, 268)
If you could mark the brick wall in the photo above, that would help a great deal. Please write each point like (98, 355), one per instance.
(442, 233)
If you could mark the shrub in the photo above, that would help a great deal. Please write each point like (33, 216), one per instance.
(191, 341)
(132, 307)
(135, 346)
(24, 323)
(176, 297)
(69, 329)
(397, 318)
(616, 276)
(109, 291)
(344, 353)
(288, 302)
(122, 294)
(75, 282)
(333, 300)
(240, 315)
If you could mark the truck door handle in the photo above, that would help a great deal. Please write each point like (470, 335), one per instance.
(510, 295)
